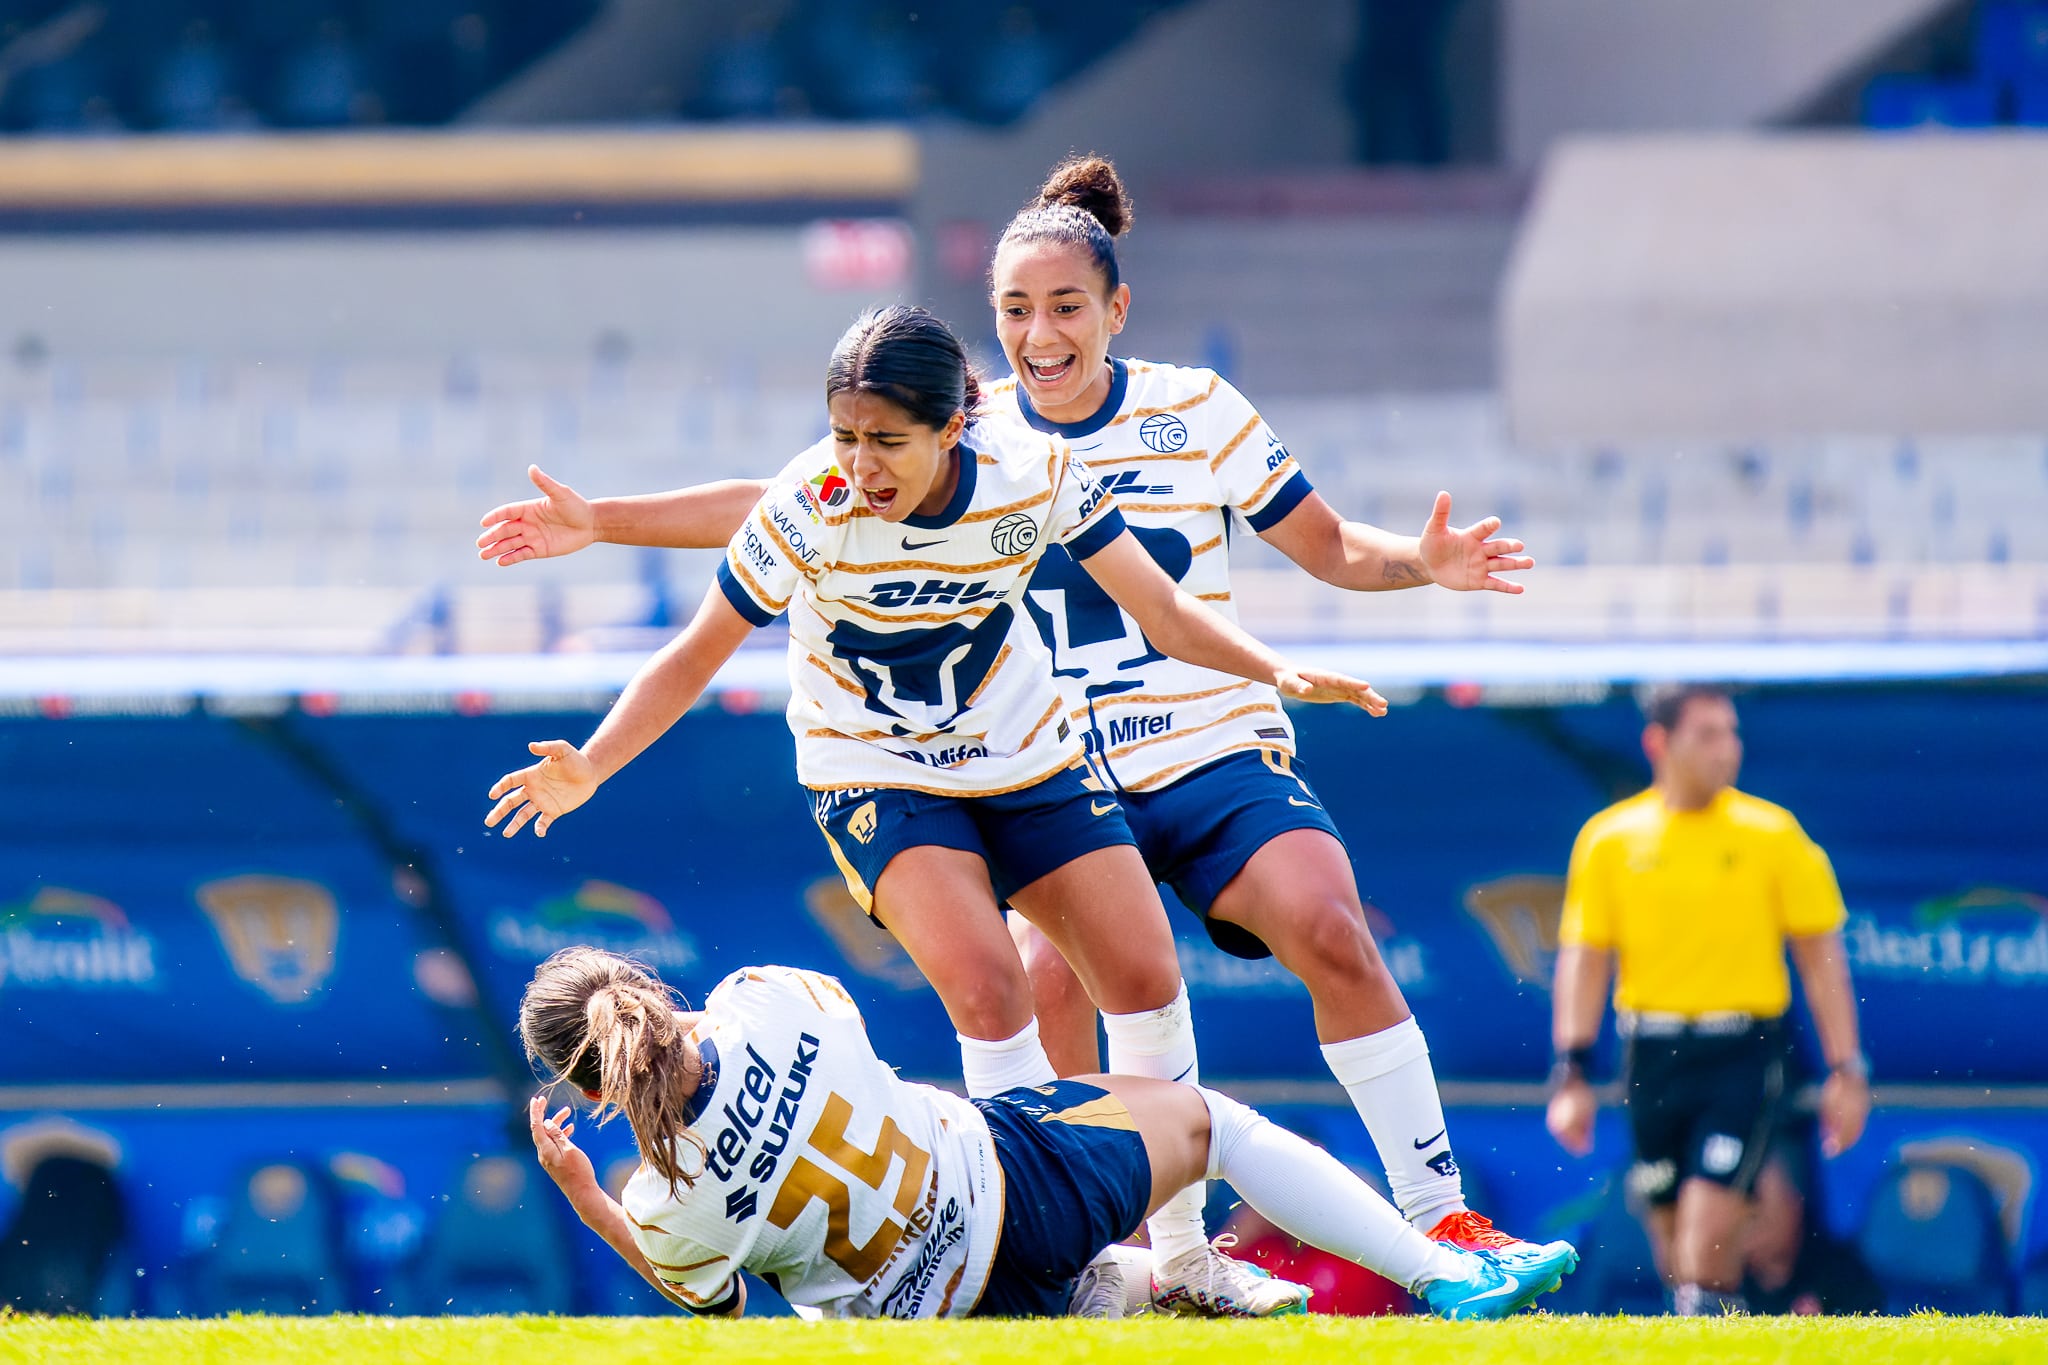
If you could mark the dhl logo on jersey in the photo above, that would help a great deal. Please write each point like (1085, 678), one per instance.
(933, 591)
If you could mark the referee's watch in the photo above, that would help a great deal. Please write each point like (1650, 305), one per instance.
(1573, 1064)
(1856, 1068)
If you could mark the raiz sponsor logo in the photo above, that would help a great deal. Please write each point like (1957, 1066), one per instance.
(757, 1110)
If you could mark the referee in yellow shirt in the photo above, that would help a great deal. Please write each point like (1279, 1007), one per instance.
(1688, 896)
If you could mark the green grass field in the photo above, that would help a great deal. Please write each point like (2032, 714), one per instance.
(1533, 1340)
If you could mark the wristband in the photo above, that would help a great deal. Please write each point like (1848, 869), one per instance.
(1855, 1068)
(1573, 1064)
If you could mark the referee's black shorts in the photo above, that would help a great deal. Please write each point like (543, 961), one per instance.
(1703, 1104)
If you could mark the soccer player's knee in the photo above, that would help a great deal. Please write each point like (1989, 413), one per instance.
(1329, 937)
(1056, 992)
(1231, 1123)
(995, 1005)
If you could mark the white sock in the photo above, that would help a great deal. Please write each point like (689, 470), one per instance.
(1393, 1087)
(1309, 1194)
(991, 1068)
(1161, 1043)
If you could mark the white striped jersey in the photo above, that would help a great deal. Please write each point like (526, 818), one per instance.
(852, 1191)
(1176, 447)
(911, 662)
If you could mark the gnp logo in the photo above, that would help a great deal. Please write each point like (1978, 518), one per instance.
(1986, 934)
(278, 932)
(1163, 433)
(602, 915)
(1521, 914)
(61, 939)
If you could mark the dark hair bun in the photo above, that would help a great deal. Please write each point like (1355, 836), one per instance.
(1090, 183)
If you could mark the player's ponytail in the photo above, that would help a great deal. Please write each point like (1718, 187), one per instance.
(1089, 183)
(1083, 204)
(909, 357)
(605, 1024)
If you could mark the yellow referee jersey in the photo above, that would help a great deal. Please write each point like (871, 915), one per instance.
(1697, 905)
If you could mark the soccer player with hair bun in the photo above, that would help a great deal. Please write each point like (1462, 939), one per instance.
(1220, 805)
(773, 1139)
(945, 772)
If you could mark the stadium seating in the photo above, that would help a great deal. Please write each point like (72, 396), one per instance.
(277, 1247)
(1932, 1238)
(2033, 1295)
(497, 1247)
(2006, 80)
(1900, 102)
(217, 65)
(323, 506)
(57, 1246)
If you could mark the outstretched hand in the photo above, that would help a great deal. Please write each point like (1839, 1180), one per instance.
(563, 780)
(566, 1163)
(1321, 685)
(559, 522)
(1466, 560)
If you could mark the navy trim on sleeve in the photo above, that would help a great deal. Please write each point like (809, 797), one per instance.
(1096, 538)
(1286, 500)
(742, 601)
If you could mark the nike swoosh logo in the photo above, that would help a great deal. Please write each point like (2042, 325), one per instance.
(1184, 1074)
(909, 544)
(1431, 1141)
(1297, 801)
(1509, 1289)
(1097, 808)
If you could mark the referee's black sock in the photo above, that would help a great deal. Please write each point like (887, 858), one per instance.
(1698, 1301)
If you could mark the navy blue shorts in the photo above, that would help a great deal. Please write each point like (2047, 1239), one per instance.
(1021, 835)
(1075, 1179)
(1198, 833)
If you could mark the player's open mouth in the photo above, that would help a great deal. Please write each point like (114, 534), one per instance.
(879, 499)
(1049, 371)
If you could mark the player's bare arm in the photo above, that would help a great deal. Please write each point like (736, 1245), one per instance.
(562, 521)
(569, 1167)
(1845, 1095)
(1579, 1000)
(1181, 626)
(666, 686)
(1362, 558)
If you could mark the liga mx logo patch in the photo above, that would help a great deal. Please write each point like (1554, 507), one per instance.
(1014, 534)
(832, 488)
(1163, 433)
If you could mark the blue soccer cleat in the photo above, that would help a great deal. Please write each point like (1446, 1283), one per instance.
(1501, 1283)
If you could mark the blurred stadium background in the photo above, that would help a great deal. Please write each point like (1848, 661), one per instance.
(1737, 313)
